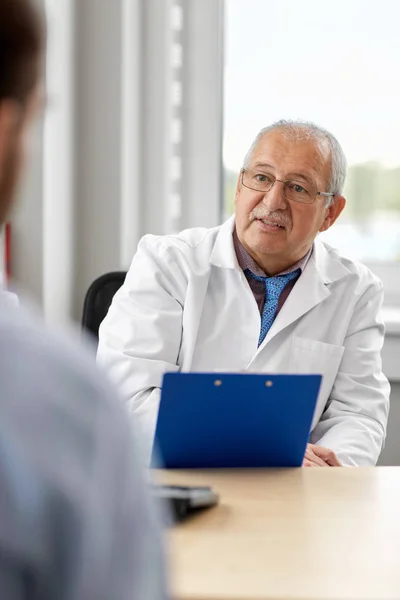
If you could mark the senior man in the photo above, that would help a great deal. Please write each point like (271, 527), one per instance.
(261, 293)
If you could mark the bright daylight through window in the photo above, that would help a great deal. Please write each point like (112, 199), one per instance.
(335, 64)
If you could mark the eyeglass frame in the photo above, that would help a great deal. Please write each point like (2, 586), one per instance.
(317, 193)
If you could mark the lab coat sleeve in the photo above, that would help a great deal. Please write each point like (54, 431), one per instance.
(353, 424)
(140, 338)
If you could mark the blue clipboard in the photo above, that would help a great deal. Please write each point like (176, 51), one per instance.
(225, 420)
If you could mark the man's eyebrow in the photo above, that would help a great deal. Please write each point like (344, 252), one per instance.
(260, 165)
(300, 176)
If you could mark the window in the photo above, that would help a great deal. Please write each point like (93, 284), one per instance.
(335, 64)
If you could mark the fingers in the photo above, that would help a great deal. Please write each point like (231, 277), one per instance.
(326, 455)
(313, 458)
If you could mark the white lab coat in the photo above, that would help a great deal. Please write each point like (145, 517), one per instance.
(186, 305)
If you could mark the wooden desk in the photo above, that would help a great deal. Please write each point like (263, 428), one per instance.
(290, 534)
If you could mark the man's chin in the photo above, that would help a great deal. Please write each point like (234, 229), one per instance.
(264, 243)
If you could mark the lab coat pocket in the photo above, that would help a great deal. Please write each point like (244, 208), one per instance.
(311, 356)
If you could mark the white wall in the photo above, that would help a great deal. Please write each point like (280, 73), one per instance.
(58, 163)
(98, 142)
(27, 240)
(72, 223)
(42, 225)
(101, 172)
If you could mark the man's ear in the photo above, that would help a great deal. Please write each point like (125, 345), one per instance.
(10, 118)
(333, 212)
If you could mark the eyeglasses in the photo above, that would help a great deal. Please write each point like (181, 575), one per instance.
(293, 190)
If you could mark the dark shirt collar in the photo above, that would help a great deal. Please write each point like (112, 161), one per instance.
(247, 262)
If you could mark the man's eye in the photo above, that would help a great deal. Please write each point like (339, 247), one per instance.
(296, 187)
(261, 178)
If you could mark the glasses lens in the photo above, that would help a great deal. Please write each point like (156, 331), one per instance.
(255, 180)
(297, 192)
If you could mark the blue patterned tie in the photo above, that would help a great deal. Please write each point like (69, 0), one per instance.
(273, 289)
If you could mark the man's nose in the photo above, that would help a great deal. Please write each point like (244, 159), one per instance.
(275, 199)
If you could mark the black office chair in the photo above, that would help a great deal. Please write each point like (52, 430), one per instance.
(98, 299)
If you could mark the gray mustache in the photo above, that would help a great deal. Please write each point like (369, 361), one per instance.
(275, 217)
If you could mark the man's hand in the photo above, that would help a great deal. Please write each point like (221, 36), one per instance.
(317, 456)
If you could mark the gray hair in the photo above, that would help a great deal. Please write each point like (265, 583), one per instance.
(305, 130)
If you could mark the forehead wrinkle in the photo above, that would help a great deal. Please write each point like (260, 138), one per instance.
(290, 175)
(321, 155)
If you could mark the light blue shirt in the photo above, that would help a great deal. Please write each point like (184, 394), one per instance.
(76, 519)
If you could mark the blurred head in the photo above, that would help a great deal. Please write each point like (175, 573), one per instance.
(288, 190)
(21, 46)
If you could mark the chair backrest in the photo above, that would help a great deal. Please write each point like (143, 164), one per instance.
(98, 299)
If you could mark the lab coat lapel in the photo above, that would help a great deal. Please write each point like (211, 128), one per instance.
(311, 288)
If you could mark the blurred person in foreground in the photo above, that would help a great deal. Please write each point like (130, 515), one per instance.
(76, 521)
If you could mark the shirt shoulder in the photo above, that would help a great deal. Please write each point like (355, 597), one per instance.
(53, 397)
(48, 368)
(177, 256)
(69, 469)
(187, 241)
